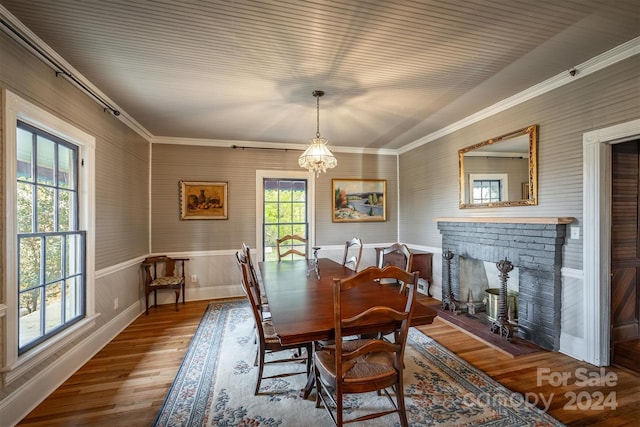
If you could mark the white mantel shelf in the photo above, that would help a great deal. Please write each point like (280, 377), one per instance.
(510, 220)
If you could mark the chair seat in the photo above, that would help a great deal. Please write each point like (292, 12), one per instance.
(270, 335)
(167, 281)
(370, 367)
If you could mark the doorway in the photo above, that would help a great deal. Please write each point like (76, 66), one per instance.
(625, 254)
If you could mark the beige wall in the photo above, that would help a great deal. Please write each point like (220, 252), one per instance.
(172, 163)
(121, 186)
(429, 174)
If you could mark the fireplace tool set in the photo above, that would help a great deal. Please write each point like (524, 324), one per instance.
(502, 323)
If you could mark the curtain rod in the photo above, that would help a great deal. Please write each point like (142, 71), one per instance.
(264, 148)
(59, 69)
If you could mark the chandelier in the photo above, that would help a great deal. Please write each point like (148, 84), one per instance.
(317, 156)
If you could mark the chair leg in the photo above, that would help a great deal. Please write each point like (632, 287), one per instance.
(146, 312)
(177, 298)
(260, 370)
(402, 411)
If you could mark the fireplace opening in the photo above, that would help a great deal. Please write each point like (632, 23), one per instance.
(534, 248)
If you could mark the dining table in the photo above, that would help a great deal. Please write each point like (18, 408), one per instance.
(301, 302)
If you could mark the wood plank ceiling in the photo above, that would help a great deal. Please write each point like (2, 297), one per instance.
(392, 71)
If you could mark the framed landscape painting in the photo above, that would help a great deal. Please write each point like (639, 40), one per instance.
(359, 200)
(203, 200)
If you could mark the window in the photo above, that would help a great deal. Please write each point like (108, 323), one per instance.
(49, 252)
(51, 277)
(285, 212)
(487, 191)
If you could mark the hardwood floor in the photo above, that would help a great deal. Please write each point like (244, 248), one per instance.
(126, 382)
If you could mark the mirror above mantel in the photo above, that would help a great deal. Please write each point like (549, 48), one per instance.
(500, 171)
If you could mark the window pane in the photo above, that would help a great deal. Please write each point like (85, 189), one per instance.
(300, 229)
(25, 155)
(73, 298)
(66, 167)
(299, 191)
(45, 210)
(53, 309)
(284, 194)
(270, 213)
(270, 190)
(74, 255)
(66, 210)
(29, 322)
(285, 229)
(284, 214)
(46, 158)
(25, 208)
(53, 251)
(299, 212)
(30, 258)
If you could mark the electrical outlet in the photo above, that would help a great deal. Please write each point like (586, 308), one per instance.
(115, 303)
(194, 278)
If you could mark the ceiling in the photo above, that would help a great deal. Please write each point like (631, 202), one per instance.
(393, 72)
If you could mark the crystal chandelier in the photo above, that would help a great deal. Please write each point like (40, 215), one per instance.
(317, 156)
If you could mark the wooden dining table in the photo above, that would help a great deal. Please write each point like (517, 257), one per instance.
(301, 305)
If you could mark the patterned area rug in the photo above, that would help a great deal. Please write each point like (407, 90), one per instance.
(214, 386)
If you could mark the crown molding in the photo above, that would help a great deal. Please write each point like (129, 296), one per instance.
(617, 54)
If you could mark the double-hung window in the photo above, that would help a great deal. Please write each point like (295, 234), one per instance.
(50, 258)
(49, 252)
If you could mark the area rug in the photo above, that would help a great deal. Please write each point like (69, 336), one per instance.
(214, 385)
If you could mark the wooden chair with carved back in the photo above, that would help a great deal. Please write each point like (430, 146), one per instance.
(163, 272)
(365, 365)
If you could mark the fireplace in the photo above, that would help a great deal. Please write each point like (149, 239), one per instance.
(534, 246)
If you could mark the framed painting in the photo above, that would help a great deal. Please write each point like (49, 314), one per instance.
(359, 200)
(203, 200)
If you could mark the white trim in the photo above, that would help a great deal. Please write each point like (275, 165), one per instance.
(617, 54)
(597, 235)
(311, 202)
(16, 109)
(19, 403)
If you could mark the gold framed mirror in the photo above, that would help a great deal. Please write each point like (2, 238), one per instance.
(500, 171)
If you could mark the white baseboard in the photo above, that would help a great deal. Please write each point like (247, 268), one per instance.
(22, 401)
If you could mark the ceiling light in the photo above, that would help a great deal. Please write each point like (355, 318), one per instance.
(317, 156)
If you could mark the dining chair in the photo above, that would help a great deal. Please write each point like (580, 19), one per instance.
(353, 247)
(267, 337)
(291, 244)
(365, 365)
(397, 254)
(254, 275)
(163, 272)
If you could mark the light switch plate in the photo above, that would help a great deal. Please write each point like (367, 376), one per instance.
(575, 232)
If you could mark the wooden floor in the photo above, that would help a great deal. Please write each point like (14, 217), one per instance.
(126, 382)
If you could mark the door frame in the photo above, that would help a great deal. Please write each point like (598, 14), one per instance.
(311, 199)
(596, 261)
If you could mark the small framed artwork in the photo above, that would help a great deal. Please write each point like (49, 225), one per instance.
(359, 200)
(203, 200)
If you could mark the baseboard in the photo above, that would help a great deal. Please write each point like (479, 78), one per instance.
(22, 401)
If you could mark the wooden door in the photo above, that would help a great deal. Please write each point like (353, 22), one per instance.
(625, 254)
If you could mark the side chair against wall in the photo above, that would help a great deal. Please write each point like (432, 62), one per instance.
(291, 244)
(163, 272)
(365, 365)
(268, 340)
(352, 253)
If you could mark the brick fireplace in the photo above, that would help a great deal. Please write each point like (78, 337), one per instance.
(534, 246)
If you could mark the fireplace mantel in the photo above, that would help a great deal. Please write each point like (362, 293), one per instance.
(509, 220)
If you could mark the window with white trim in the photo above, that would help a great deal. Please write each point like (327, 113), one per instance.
(50, 235)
